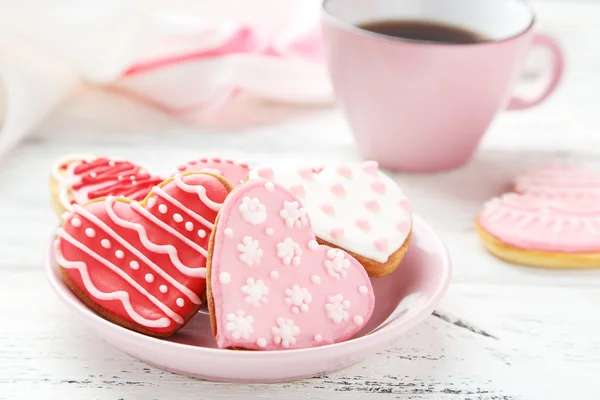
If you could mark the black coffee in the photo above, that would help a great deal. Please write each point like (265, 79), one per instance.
(425, 31)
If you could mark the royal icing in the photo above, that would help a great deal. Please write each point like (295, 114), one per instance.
(559, 181)
(286, 296)
(234, 172)
(140, 256)
(354, 207)
(548, 224)
(82, 178)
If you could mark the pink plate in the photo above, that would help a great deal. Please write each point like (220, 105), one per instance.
(402, 300)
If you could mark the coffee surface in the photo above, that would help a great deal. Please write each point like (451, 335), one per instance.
(426, 31)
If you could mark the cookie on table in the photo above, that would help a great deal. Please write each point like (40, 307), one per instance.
(235, 172)
(142, 265)
(271, 285)
(354, 207)
(77, 179)
(559, 180)
(544, 232)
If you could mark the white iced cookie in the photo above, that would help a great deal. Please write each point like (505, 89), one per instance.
(354, 207)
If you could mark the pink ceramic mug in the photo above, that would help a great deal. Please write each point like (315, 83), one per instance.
(422, 106)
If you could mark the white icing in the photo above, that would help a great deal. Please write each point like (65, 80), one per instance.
(81, 267)
(151, 202)
(90, 232)
(66, 180)
(318, 338)
(269, 186)
(105, 243)
(202, 233)
(240, 325)
(337, 265)
(293, 215)
(224, 277)
(253, 211)
(199, 190)
(337, 308)
(313, 245)
(158, 191)
(122, 296)
(154, 248)
(269, 231)
(228, 232)
(250, 251)
(76, 222)
(149, 278)
(363, 289)
(189, 226)
(256, 292)
(285, 332)
(316, 279)
(163, 288)
(289, 252)
(358, 320)
(163, 209)
(177, 217)
(299, 298)
(180, 302)
(119, 254)
(347, 209)
(261, 342)
(274, 274)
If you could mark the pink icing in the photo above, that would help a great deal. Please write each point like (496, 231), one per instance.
(378, 186)
(338, 189)
(381, 244)
(345, 171)
(298, 190)
(234, 172)
(296, 294)
(559, 181)
(306, 173)
(537, 223)
(363, 224)
(370, 167)
(372, 205)
(337, 233)
(328, 209)
(144, 263)
(266, 173)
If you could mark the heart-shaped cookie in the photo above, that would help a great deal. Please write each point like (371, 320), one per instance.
(142, 265)
(235, 172)
(77, 179)
(550, 232)
(354, 207)
(559, 180)
(271, 285)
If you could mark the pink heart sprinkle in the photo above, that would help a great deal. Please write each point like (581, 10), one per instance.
(405, 204)
(298, 190)
(344, 171)
(403, 226)
(266, 173)
(328, 209)
(306, 173)
(337, 233)
(363, 224)
(381, 244)
(378, 186)
(338, 190)
(372, 205)
(370, 167)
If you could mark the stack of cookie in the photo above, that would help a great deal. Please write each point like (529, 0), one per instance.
(281, 256)
(551, 220)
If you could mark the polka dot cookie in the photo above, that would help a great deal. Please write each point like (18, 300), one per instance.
(271, 285)
(354, 207)
(235, 172)
(142, 265)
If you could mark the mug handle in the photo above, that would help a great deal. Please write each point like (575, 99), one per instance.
(558, 63)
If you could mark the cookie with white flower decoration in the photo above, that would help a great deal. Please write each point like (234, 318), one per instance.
(354, 207)
(555, 232)
(271, 285)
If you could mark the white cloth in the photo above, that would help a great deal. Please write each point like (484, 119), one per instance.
(182, 55)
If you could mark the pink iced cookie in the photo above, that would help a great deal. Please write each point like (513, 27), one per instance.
(271, 285)
(550, 232)
(559, 181)
(234, 172)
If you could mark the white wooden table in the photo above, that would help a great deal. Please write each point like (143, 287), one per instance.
(502, 332)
